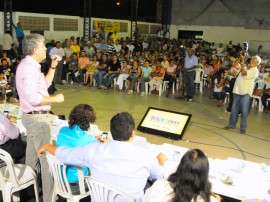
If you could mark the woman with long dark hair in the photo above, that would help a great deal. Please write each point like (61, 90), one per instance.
(188, 184)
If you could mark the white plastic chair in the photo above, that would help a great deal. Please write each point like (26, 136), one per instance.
(101, 191)
(7, 91)
(261, 84)
(146, 87)
(15, 177)
(199, 78)
(68, 76)
(61, 185)
(165, 85)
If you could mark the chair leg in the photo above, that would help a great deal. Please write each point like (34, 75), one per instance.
(54, 196)
(146, 88)
(7, 194)
(36, 191)
(16, 196)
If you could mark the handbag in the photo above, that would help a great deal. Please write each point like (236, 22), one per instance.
(257, 92)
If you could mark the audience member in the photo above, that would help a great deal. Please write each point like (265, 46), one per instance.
(102, 70)
(102, 47)
(19, 35)
(75, 47)
(124, 74)
(144, 77)
(91, 70)
(73, 68)
(58, 51)
(134, 73)
(89, 50)
(114, 37)
(114, 68)
(170, 75)
(8, 43)
(156, 78)
(191, 62)
(83, 63)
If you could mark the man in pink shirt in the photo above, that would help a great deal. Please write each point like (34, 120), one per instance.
(35, 102)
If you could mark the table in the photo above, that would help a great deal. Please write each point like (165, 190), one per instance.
(249, 180)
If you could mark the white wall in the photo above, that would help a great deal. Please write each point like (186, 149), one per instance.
(61, 35)
(1, 26)
(51, 34)
(223, 35)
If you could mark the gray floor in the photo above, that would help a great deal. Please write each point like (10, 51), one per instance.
(205, 130)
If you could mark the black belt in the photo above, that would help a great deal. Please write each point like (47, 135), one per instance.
(38, 112)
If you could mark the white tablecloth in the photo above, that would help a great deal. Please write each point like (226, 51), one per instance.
(249, 180)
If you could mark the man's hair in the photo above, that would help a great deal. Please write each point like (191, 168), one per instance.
(3, 59)
(30, 42)
(122, 125)
(257, 58)
(82, 115)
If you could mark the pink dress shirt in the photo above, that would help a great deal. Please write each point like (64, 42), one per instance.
(31, 85)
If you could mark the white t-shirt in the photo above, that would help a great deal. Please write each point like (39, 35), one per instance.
(244, 84)
(161, 191)
(217, 90)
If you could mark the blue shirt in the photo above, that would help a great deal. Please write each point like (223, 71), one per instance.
(120, 164)
(74, 137)
(19, 32)
(146, 71)
(191, 61)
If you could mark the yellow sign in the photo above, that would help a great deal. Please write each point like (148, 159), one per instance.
(108, 26)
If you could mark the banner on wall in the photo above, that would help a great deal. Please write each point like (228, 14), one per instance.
(108, 26)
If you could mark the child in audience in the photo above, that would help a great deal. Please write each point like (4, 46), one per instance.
(220, 82)
(90, 70)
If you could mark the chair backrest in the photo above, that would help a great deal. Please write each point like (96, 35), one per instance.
(267, 85)
(199, 75)
(58, 171)
(9, 170)
(260, 84)
(100, 191)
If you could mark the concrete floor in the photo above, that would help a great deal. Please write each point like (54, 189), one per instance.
(205, 130)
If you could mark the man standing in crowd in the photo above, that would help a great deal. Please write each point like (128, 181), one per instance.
(242, 92)
(35, 104)
(8, 44)
(191, 62)
(117, 162)
(19, 35)
(57, 50)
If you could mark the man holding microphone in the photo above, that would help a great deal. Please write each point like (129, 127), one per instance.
(35, 103)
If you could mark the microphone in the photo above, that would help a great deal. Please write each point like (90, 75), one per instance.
(56, 57)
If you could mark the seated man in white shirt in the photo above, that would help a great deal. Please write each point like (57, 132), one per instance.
(118, 162)
(9, 141)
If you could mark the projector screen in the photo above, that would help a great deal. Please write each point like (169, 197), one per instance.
(164, 123)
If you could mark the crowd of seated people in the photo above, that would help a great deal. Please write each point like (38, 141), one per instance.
(122, 65)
